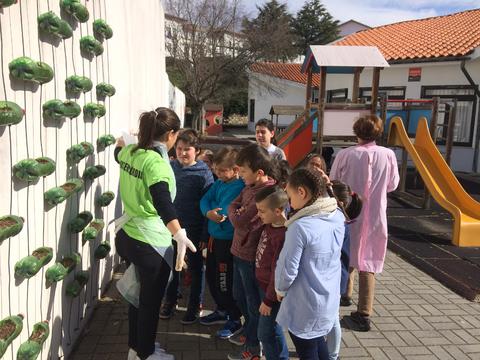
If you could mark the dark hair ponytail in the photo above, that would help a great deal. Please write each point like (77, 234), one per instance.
(349, 201)
(310, 180)
(154, 125)
(269, 125)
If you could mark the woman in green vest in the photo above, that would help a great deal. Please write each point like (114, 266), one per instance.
(147, 189)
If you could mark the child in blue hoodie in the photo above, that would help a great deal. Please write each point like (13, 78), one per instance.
(219, 272)
(193, 179)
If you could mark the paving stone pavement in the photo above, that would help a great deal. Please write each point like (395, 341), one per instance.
(415, 317)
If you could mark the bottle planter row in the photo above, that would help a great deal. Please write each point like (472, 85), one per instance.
(30, 265)
(10, 225)
(32, 169)
(57, 195)
(10, 113)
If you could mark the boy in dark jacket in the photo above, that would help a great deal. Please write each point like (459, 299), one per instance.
(271, 203)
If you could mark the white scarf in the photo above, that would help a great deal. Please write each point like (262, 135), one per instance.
(323, 205)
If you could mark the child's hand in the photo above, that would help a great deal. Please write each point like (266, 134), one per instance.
(264, 309)
(279, 297)
(215, 216)
(120, 142)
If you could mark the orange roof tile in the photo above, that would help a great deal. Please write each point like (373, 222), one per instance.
(442, 36)
(291, 72)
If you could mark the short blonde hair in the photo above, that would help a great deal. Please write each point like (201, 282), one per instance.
(368, 127)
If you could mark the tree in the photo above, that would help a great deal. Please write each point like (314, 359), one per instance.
(205, 50)
(270, 35)
(314, 25)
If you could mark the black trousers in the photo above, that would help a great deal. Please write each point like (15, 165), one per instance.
(219, 274)
(311, 349)
(153, 272)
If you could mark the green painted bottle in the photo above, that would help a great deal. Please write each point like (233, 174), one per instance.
(10, 328)
(31, 348)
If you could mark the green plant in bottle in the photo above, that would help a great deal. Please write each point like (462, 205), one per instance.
(93, 230)
(75, 287)
(59, 270)
(104, 90)
(10, 328)
(10, 225)
(102, 250)
(53, 110)
(31, 265)
(93, 110)
(75, 9)
(102, 30)
(105, 140)
(79, 151)
(57, 195)
(106, 198)
(71, 109)
(51, 24)
(76, 84)
(24, 68)
(80, 221)
(91, 46)
(32, 169)
(10, 113)
(93, 172)
(31, 348)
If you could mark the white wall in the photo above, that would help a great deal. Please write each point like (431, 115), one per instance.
(134, 63)
(351, 27)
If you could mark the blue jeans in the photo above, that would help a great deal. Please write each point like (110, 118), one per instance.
(245, 293)
(345, 260)
(310, 349)
(334, 340)
(270, 334)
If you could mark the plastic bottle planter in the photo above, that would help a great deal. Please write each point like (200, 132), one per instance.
(6, 3)
(105, 140)
(93, 110)
(10, 225)
(102, 250)
(56, 195)
(76, 9)
(75, 287)
(71, 109)
(10, 113)
(31, 348)
(53, 110)
(106, 198)
(79, 152)
(51, 24)
(80, 221)
(91, 231)
(32, 169)
(31, 265)
(102, 30)
(10, 328)
(78, 84)
(93, 172)
(24, 68)
(59, 270)
(104, 89)
(91, 46)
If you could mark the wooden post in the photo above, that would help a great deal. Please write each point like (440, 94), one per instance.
(375, 85)
(427, 198)
(308, 95)
(356, 84)
(450, 129)
(321, 108)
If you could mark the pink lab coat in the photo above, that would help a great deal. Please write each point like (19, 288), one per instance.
(371, 171)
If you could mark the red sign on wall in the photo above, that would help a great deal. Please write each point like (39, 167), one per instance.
(415, 74)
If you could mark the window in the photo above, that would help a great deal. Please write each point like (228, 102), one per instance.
(337, 95)
(252, 111)
(315, 94)
(391, 92)
(466, 109)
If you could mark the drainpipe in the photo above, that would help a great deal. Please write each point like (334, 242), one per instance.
(477, 137)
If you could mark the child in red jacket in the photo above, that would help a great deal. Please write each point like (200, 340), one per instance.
(271, 203)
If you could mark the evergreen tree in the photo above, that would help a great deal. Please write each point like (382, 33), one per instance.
(270, 35)
(314, 25)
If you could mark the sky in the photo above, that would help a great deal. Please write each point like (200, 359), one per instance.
(378, 12)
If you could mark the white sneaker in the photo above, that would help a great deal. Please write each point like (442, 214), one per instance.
(159, 354)
(132, 354)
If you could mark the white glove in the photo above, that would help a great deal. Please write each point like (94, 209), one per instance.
(182, 243)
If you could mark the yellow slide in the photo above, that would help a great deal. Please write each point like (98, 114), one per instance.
(440, 181)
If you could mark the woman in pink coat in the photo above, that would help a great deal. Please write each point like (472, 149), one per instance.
(371, 171)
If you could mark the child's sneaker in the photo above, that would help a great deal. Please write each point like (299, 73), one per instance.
(215, 318)
(230, 329)
(191, 316)
(238, 339)
(253, 353)
(167, 310)
(356, 322)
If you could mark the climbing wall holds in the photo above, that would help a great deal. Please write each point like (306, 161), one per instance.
(10, 225)
(104, 89)
(106, 198)
(79, 151)
(10, 113)
(31, 265)
(92, 172)
(77, 84)
(59, 270)
(24, 68)
(102, 250)
(56, 195)
(102, 30)
(75, 287)
(32, 169)
(50, 23)
(71, 109)
(53, 110)
(31, 348)
(92, 231)
(10, 328)
(6, 3)
(80, 221)
(75, 9)
(91, 46)
(105, 140)
(93, 110)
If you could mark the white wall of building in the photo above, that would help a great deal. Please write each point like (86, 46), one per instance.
(134, 62)
(351, 27)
